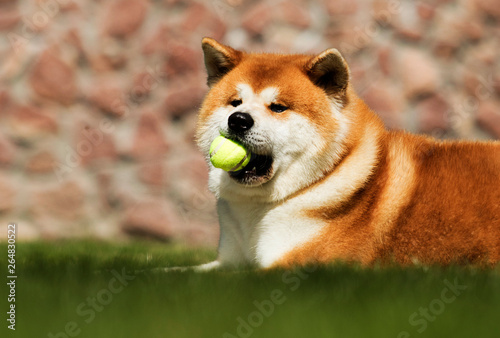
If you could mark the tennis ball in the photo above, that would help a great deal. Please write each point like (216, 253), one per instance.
(228, 155)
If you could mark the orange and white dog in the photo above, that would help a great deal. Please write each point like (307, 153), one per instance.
(326, 181)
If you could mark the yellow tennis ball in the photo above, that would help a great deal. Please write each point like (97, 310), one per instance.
(228, 155)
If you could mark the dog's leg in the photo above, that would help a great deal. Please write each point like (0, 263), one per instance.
(229, 255)
(197, 268)
(231, 242)
(207, 266)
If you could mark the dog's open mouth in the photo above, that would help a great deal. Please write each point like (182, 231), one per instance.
(259, 170)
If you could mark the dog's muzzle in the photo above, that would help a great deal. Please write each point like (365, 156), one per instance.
(260, 168)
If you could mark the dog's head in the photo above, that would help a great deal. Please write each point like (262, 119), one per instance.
(286, 109)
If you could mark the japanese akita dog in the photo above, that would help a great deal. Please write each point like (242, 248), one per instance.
(326, 180)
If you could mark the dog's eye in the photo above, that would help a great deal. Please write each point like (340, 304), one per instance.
(277, 108)
(236, 103)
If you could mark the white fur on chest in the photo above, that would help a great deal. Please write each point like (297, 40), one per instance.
(261, 234)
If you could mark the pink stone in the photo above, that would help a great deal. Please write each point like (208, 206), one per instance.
(418, 73)
(408, 23)
(124, 17)
(489, 7)
(151, 219)
(74, 39)
(108, 97)
(63, 202)
(53, 79)
(474, 30)
(5, 101)
(195, 15)
(257, 19)
(387, 101)
(341, 7)
(208, 20)
(295, 14)
(94, 143)
(143, 84)
(7, 151)
(149, 141)
(183, 99)
(385, 59)
(433, 114)
(9, 193)
(41, 163)
(478, 85)
(31, 122)
(158, 41)
(496, 84)
(488, 117)
(182, 60)
(426, 11)
(384, 12)
(9, 17)
(152, 172)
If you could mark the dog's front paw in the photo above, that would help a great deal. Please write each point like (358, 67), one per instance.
(197, 268)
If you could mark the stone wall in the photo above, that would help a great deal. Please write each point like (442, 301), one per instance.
(98, 99)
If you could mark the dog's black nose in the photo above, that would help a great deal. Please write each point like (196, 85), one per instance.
(240, 122)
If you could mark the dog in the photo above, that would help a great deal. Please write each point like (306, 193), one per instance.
(327, 181)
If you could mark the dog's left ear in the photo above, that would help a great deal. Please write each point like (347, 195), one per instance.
(219, 59)
(329, 71)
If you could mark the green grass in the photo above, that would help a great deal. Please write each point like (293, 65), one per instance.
(56, 279)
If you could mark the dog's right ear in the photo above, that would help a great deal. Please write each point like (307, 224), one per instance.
(219, 59)
(330, 71)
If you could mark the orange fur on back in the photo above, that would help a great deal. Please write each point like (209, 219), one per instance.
(447, 209)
